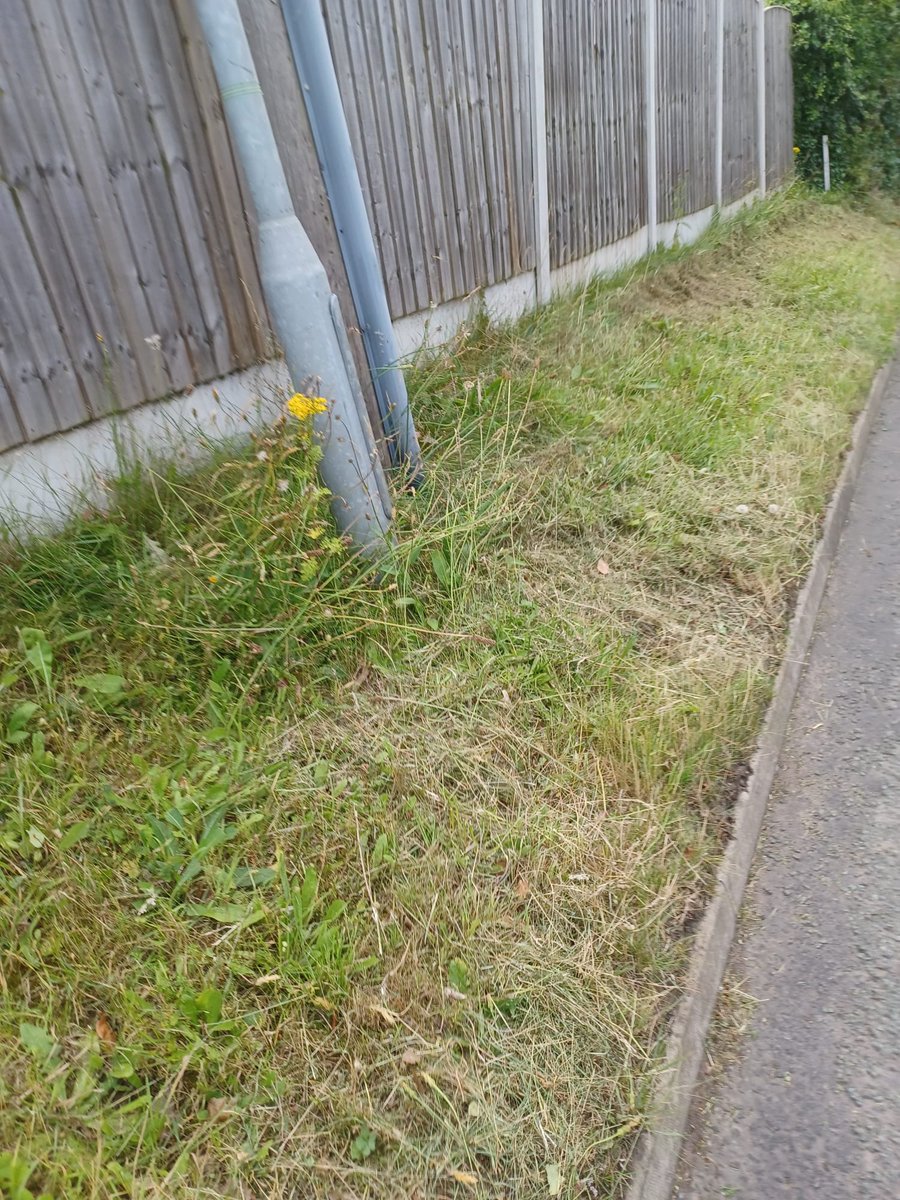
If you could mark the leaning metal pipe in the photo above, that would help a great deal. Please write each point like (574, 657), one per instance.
(296, 287)
(315, 69)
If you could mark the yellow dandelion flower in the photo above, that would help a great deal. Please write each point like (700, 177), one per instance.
(213, 578)
(301, 406)
(796, 149)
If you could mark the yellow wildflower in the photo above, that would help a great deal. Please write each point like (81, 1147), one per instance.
(301, 406)
(796, 149)
(213, 578)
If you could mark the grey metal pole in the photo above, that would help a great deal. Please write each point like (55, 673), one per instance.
(542, 282)
(720, 101)
(315, 69)
(296, 287)
(761, 93)
(651, 19)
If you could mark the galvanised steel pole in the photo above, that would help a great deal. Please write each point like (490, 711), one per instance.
(315, 69)
(296, 287)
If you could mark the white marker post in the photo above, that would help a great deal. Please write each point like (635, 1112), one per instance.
(826, 163)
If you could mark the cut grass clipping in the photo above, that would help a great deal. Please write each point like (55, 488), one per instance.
(315, 885)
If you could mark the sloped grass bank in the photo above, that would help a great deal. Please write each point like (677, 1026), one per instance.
(314, 885)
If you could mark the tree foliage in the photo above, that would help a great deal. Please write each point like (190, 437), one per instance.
(846, 56)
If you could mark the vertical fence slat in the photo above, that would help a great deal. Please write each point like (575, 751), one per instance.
(27, 358)
(219, 185)
(142, 162)
(34, 166)
(596, 130)
(205, 330)
(11, 432)
(132, 188)
(440, 129)
(740, 157)
(779, 97)
(687, 104)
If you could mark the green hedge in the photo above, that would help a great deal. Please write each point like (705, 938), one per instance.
(847, 84)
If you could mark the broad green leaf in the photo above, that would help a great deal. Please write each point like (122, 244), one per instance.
(441, 566)
(18, 720)
(121, 1066)
(308, 889)
(36, 1040)
(74, 834)
(554, 1179)
(209, 1004)
(101, 685)
(38, 654)
(363, 1145)
(222, 667)
(378, 850)
(227, 914)
(253, 877)
(334, 910)
(36, 836)
(458, 975)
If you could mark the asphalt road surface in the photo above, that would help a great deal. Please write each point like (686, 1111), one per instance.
(810, 1108)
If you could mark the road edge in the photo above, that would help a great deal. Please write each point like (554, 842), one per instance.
(655, 1161)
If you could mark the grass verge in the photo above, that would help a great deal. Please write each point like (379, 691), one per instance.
(318, 886)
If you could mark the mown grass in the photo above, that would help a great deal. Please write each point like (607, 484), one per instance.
(321, 885)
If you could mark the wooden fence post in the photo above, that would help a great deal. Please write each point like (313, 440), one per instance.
(539, 153)
(761, 93)
(650, 30)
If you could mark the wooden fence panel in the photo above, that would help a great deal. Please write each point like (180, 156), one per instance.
(436, 100)
(127, 264)
(686, 74)
(593, 62)
(118, 287)
(779, 98)
(221, 193)
(124, 222)
(740, 149)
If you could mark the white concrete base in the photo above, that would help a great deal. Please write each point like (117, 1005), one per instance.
(43, 482)
(435, 326)
(509, 300)
(605, 261)
(684, 230)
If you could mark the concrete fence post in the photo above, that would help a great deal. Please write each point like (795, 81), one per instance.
(651, 17)
(761, 92)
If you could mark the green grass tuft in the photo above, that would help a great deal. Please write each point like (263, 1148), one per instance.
(316, 884)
